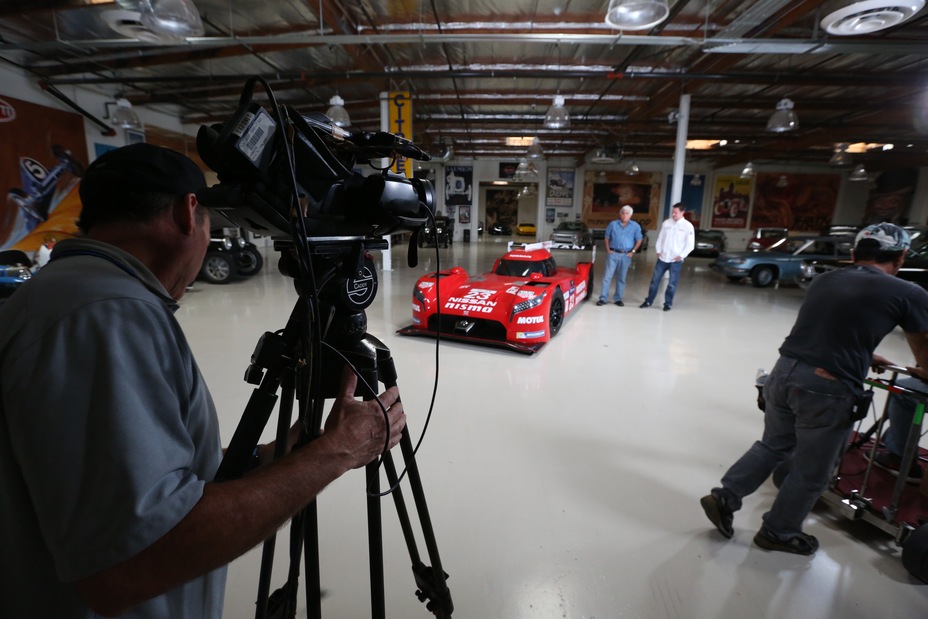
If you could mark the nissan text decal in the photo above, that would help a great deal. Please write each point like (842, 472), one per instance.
(476, 300)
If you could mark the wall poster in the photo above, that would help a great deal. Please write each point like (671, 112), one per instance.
(464, 214)
(502, 206)
(731, 198)
(891, 196)
(691, 195)
(604, 194)
(560, 187)
(801, 202)
(459, 185)
(42, 156)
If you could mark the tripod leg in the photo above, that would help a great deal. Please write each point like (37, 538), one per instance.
(375, 542)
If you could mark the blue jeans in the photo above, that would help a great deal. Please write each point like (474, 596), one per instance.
(659, 269)
(807, 419)
(618, 263)
(901, 411)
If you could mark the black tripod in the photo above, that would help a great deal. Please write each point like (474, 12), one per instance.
(290, 362)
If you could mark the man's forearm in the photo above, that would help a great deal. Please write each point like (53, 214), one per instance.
(230, 518)
(918, 342)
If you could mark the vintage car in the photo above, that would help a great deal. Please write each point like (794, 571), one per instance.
(762, 238)
(501, 229)
(786, 261)
(572, 235)
(520, 305)
(709, 243)
(440, 234)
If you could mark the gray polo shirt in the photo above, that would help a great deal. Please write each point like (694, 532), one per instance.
(107, 433)
(847, 313)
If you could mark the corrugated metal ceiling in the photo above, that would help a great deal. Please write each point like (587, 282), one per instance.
(482, 70)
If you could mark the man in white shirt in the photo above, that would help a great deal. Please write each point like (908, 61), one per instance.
(676, 240)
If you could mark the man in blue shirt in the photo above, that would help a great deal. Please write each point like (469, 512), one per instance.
(623, 236)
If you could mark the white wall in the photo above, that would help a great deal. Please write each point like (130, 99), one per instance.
(16, 83)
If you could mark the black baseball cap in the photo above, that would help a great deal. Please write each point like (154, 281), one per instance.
(140, 168)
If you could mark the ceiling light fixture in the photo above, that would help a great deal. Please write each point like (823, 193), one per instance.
(859, 174)
(632, 169)
(697, 181)
(177, 19)
(748, 171)
(557, 116)
(124, 116)
(337, 112)
(784, 119)
(535, 151)
(636, 14)
(870, 16)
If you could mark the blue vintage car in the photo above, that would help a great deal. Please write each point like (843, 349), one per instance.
(787, 260)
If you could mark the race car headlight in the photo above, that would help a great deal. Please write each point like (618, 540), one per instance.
(528, 303)
(227, 243)
(241, 242)
(418, 296)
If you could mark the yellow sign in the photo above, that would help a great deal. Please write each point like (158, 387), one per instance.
(400, 115)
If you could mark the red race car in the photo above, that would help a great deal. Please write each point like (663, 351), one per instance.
(520, 305)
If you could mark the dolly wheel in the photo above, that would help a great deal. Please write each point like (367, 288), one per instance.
(915, 553)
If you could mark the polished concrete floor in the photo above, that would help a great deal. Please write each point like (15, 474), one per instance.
(566, 485)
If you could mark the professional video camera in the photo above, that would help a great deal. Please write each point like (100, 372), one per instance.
(291, 177)
(259, 170)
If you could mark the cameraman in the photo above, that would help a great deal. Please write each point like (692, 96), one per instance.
(108, 435)
(813, 393)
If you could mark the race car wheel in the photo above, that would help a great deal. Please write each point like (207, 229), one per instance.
(250, 262)
(217, 268)
(915, 553)
(762, 277)
(556, 313)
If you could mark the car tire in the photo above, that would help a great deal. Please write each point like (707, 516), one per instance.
(763, 276)
(217, 268)
(556, 312)
(250, 262)
(589, 285)
(915, 553)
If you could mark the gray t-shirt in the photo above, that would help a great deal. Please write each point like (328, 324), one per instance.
(847, 313)
(107, 433)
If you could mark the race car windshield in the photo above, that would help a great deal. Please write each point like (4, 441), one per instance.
(519, 268)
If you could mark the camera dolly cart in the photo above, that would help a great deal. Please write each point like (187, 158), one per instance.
(861, 491)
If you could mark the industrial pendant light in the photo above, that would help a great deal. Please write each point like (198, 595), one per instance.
(636, 14)
(124, 116)
(337, 112)
(557, 116)
(748, 171)
(175, 19)
(535, 151)
(784, 119)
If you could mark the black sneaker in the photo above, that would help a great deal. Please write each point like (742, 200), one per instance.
(644, 305)
(666, 308)
(620, 304)
(802, 544)
(891, 463)
(718, 514)
(600, 303)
